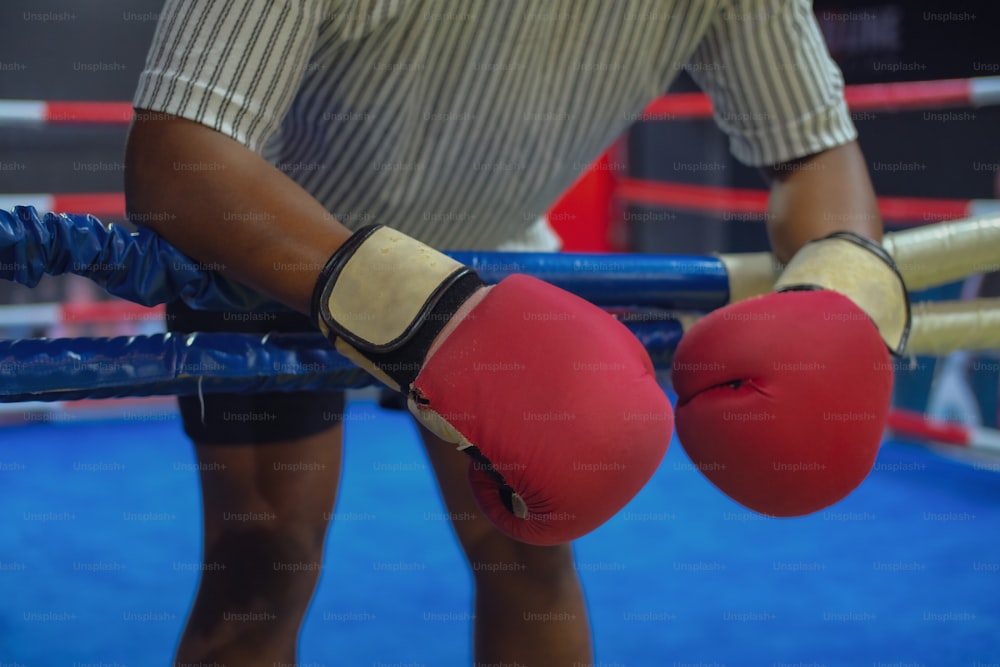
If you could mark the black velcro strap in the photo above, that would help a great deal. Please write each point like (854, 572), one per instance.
(403, 363)
(402, 358)
(867, 244)
(879, 251)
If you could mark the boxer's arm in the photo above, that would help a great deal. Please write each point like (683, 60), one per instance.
(818, 195)
(779, 97)
(224, 205)
(217, 82)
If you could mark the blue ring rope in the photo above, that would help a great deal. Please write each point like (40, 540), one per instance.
(63, 369)
(143, 268)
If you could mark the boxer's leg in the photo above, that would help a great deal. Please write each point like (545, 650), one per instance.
(269, 468)
(529, 605)
(264, 530)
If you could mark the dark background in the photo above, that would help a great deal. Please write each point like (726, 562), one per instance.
(890, 33)
(43, 47)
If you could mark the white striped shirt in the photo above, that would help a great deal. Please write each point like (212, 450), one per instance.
(461, 122)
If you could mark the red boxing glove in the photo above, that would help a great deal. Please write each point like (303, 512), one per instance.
(783, 398)
(560, 397)
(554, 400)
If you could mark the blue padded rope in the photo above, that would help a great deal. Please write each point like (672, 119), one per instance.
(143, 268)
(63, 369)
(136, 266)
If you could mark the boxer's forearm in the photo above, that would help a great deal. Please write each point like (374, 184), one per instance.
(227, 208)
(819, 195)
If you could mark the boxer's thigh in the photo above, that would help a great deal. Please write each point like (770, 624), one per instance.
(240, 419)
(271, 460)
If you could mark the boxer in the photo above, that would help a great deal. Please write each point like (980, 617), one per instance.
(270, 136)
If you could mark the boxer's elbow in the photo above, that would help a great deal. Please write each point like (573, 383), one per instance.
(168, 167)
(151, 148)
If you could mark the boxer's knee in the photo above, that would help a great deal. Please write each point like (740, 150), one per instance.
(266, 513)
(273, 568)
(500, 562)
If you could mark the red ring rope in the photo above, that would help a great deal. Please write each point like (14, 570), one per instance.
(900, 96)
(910, 211)
(926, 429)
(889, 97)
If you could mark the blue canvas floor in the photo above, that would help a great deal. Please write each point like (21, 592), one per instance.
(100, 528)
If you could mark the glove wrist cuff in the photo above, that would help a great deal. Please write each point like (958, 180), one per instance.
(863, 271)
(383, 297)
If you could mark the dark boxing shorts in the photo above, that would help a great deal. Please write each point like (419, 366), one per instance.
(231, 419)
